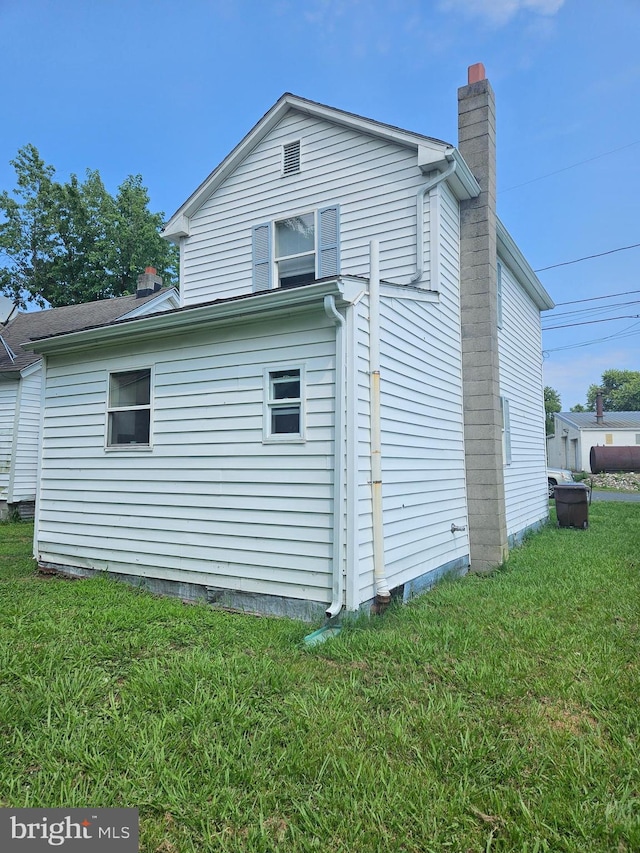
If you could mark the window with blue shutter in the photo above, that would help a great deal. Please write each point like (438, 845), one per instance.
(262, 257)
(328, 241)
(304, 248)
(295, 247)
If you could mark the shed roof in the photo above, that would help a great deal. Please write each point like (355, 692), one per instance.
(54, 321)
(611, 420)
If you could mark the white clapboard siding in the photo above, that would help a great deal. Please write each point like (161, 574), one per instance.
(27, 439)
(8, 403)
(521, 384)
(210, 503)
(423, 467)
(375, 183)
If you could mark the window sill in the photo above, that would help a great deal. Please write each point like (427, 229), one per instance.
(128, 448)
(285, 439)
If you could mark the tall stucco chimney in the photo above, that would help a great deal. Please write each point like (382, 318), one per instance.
(483, 417)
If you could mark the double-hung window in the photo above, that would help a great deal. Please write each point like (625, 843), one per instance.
(284, 404)
(129, 408)
(296, 250)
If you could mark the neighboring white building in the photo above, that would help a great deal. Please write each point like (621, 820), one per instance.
(21, 383)
(575, 433)
(302, 436)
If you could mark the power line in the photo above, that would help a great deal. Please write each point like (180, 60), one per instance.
(590, 322)
(572, 166)
(594, 298)
(588, 257)
(595, 309)
(625, 333)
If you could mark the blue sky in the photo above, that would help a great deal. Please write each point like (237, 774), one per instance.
(166, 89)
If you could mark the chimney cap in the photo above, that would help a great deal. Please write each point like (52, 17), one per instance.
(476, 73)
(150, 270)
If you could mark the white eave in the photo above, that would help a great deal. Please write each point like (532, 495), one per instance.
(428, 151)
(254, 306)
(521, 268)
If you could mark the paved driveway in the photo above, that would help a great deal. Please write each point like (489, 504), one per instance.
(628, 497)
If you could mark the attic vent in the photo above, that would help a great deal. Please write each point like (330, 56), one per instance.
(291, 158)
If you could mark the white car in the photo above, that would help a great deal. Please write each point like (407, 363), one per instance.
(558, 476)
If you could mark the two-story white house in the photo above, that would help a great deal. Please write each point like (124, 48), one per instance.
(348, 401)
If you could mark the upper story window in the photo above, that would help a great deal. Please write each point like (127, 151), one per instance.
(129, 408)
(291, 158)
(296, 249)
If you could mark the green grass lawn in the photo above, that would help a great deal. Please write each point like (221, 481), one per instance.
(497, 713)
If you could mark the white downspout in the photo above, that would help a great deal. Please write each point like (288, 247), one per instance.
(422, 191)
(383, 594)
(338, 460)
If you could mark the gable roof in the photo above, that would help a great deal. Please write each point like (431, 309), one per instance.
(53, 321)
(611, 420)
(431, 154)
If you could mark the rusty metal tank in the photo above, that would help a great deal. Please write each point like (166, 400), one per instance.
(608, 460)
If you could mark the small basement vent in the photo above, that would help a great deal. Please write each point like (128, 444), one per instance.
(291, 158)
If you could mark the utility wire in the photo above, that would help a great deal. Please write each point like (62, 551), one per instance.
(572, 166)
(588, 257)
(596, 309)
(594, 298)
(625, 333)
(590, 322)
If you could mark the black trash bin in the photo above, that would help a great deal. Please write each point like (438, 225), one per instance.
(572, 505)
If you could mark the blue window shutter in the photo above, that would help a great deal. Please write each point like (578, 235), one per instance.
(262, 257)
(329, 241)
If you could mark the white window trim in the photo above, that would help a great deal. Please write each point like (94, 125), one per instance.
(268, 405)
(130, 448)
(315, 253)
(326, 250)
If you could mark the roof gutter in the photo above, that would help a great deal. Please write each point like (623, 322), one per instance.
(344, 289)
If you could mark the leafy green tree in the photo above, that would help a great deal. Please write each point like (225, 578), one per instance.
(64, 243)
(28, 232)
(620, 391)
(134, 238)
(551, 406)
